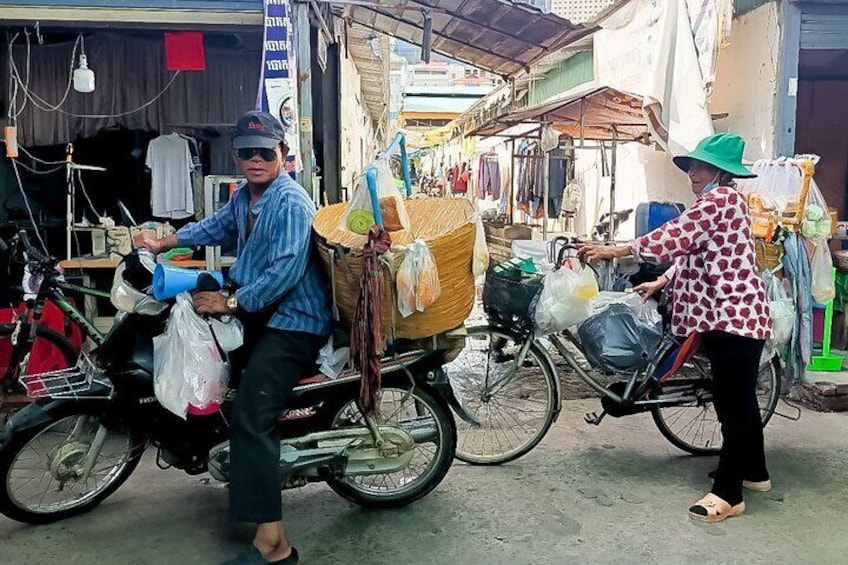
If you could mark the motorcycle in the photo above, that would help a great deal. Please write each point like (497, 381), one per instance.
(88, 427)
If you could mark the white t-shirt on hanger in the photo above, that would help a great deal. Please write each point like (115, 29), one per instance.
(170, 163)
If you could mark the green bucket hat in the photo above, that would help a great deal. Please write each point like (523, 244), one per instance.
(723, 151)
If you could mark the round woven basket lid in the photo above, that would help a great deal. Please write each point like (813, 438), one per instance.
(429, 218)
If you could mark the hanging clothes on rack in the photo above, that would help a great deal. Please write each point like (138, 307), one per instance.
(488, 177)
(556, 180)
(196, 174)
(530, 180)
(170, 162)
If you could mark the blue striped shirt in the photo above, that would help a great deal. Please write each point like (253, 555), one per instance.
(276, 260)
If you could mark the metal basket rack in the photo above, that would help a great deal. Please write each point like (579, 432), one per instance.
(73, 382)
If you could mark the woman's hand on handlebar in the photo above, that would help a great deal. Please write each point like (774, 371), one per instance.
(648, 289)
(593, 252)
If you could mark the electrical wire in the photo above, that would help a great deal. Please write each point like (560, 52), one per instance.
(37, 160)
(36, 171)
(43, 105)
(28, 207)
(32, 96)
(85, 194)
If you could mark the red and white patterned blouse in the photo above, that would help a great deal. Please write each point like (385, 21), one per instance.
(716, 284)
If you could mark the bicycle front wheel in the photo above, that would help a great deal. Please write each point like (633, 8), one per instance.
(694, 427)
(51, 351)
(514, 405)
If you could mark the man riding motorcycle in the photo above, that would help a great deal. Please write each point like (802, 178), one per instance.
(283, 303)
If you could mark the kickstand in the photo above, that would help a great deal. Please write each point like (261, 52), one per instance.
(793, 406)
(594, 418)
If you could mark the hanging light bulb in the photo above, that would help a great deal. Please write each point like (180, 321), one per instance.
(83, 76)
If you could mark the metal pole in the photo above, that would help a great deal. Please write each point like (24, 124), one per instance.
(612, 182)
(511, 195)
(70, 214)
(304, 91)
(546, 184)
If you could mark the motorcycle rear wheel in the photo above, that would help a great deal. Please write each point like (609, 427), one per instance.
(46, 462)
(429, 465)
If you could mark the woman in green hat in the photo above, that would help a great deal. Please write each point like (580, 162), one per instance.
(717, 293)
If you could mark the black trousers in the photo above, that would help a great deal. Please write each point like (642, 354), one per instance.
(735, 363)
(274, 361)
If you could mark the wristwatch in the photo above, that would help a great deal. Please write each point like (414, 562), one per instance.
(232, 303)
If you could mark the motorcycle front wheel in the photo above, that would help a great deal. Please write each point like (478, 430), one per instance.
(43, 476)
(414, 410)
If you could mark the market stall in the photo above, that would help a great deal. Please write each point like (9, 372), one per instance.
(603, 117)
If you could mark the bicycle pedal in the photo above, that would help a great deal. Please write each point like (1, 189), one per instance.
(594, 418)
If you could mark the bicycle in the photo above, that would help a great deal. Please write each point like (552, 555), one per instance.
(26, 337)
(505, 377)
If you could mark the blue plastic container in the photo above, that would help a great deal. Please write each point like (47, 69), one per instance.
(651, 215)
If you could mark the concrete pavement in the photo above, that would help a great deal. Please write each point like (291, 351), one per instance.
(615, 494)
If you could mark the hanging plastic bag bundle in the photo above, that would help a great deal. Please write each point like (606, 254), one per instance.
(566, 299)
(189, 359)
(480, 260)
(782, 309)
(417, 279)
(824, 289)
(359, 216)
(622, 332)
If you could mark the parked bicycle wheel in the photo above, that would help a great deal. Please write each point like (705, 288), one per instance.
(515, 406)
(51, 351)
(695, 427)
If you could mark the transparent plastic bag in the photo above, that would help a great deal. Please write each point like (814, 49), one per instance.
(188, 366)
(587, 286)
(359, 216)
(480, 260)
(824, 288)
(782, 309)
(417, 279)
(560, 306)
(622, 332)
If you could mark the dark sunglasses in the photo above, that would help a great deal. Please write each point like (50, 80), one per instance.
(264, 153)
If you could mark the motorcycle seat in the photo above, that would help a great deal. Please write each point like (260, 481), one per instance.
(319, 378)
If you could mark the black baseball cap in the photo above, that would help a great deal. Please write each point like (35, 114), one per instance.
(258, 130)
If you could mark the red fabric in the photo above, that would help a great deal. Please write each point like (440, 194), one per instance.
(44, 357)
(184, 51)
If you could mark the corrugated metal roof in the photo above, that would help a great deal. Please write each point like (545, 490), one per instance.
(225, 5)
(602, 113)
(437, 105)
(499, 36)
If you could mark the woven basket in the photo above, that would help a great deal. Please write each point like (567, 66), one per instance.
(447, 225)
(769, 255)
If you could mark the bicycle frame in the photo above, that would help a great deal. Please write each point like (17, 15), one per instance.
(638, 383)
(27, 324)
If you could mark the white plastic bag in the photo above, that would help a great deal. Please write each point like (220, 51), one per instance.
(417, 279)
(480, 260)
(560, 306)
(782, 309)
(331, 361)
(824, 289)
(359, 216)
(188, 366)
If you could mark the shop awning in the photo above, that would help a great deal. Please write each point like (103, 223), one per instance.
(499, 36)
(600, 114)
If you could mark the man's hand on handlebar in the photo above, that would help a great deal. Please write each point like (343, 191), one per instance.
(155, 246)
(648, 289)
(210, 303)
(593, 252)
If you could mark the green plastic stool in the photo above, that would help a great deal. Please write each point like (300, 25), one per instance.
(827, 362)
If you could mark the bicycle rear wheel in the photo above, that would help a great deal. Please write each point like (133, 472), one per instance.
(515, 406)
(694, 427)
